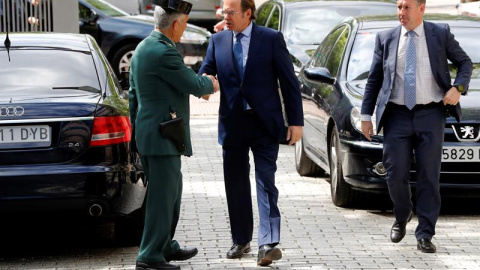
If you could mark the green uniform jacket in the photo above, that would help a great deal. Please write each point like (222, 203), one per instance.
(159, 82)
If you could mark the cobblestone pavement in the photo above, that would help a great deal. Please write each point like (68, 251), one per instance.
(315, 233)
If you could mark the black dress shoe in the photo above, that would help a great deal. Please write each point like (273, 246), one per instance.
(399, 230)
(182, 254)
(426, 246)
(237, 251)
(155, 266)
(267, 254)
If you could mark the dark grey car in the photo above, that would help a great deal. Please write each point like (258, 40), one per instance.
(332, 85)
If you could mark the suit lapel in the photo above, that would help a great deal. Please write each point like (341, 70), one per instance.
(393, 52)
(431, 46)
(256, 39)
(224, 51)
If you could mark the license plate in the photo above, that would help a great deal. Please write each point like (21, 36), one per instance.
(25, 136)
(461, 154)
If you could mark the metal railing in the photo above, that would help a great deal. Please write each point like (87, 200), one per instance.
(26, 16)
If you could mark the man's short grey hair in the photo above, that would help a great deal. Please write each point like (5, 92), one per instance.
(163, 19)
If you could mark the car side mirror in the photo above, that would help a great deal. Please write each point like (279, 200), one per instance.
(93, 18)
(125, 80)
(319, 74)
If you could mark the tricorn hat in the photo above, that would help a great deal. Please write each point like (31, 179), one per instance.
(174, 5)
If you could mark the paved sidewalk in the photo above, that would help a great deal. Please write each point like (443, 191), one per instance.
(201, 107)
(315, 233)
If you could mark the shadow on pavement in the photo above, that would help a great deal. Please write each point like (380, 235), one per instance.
(36, 235)
(381, 203)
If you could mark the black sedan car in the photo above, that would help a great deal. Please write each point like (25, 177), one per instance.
(305, 23)
(332, 85)
(65, 133)
(118, 34)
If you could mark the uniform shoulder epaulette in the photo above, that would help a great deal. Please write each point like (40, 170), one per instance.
(164, 42)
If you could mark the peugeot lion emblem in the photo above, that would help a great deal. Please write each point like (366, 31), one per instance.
(467, 133)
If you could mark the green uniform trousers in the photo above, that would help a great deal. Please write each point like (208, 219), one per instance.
(164, 194)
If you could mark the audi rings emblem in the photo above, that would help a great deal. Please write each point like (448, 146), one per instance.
(12, 111)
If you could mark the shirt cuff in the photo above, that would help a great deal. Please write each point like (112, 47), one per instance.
(365, 117)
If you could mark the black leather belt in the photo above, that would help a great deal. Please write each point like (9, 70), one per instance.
(418, 106)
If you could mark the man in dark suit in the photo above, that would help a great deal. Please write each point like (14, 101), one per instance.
(249, 61)
(160, 86)
(410, 85)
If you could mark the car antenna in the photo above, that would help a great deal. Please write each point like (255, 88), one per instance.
(7, 44)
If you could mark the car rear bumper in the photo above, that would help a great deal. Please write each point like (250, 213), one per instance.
(75, 188)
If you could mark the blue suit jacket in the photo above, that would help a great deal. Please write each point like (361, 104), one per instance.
(441, 45)
(268, 64)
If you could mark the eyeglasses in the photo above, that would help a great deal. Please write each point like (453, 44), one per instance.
(231, 13)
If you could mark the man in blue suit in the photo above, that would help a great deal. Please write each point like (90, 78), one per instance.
(410, 86)
(250, 61)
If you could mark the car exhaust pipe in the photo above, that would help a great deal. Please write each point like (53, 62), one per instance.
(95, 210)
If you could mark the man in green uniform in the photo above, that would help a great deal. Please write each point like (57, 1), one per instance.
(160, 84)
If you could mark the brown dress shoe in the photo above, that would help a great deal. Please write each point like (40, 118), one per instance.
(267, 254)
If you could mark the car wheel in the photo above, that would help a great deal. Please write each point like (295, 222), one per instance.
(341, 192)
(305, 166)
(122, 58)
(129, 229)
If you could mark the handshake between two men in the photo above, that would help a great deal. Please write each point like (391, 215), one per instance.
(215, 85)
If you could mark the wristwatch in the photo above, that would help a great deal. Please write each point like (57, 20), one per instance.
(459, 87)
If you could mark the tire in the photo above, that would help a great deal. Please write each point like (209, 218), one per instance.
(122, 58)
(304, 165)
(341, 192)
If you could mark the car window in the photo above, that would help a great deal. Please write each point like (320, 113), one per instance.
(322, 51)
(362, 52)
(262, 14)
(468, 40)
(333, 60)
(64, 69)
(311, 25)
(84, 13)
(361, 56)
(274, 21)
(107, 8)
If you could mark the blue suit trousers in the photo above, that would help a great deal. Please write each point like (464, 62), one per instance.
(236, 166)
(414, 134)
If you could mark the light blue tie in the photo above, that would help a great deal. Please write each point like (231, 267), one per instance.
(410, 71)
(238, 53)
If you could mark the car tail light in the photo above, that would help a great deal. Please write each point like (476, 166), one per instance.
(110, 130)
(149, 7)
